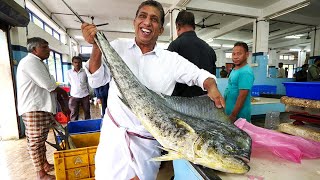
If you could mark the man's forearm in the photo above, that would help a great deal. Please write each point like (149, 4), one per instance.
(211, 86)
(95, 59)
(208, 83)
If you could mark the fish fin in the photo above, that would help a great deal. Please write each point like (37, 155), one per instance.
(172, 155)
(180, 122)
(125, 102)
(163, 148)
(200, 107)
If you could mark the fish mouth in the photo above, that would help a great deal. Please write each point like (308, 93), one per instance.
(242, 158)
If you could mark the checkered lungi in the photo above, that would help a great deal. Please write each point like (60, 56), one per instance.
(37, 128)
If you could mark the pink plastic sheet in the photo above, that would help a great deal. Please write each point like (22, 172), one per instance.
(292, 148)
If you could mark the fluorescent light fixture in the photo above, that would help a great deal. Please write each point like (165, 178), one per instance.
(299, 6)
(295, 50)
(78, 37)
(215, 45)
(209, 40)
(227, 45)
(308, 50)
(292, 37)
(185, 3)
(299, 35)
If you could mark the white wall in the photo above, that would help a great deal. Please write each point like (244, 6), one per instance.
(221, 58)
(8, 116)
(56, 45)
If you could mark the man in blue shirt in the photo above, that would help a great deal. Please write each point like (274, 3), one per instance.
(238, 91)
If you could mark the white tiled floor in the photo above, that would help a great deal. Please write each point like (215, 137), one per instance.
(15, 163)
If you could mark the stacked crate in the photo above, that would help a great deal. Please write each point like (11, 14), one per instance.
(79, 163)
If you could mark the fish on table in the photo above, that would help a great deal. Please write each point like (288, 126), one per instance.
(188, 128)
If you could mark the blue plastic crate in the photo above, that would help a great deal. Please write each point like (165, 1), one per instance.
(184, 170)
(303, 90)
(263, 89)
(84, 126)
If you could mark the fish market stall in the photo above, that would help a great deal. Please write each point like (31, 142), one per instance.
(262, 166)
(265, 163)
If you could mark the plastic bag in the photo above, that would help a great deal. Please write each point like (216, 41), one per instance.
(292, 148)
(62, 118)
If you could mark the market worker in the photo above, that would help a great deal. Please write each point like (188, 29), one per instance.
(78, 81)
(302, 75)
(123, 156)
(240, 82)
(314, 70)
(281, 71)
(194, 49)
(102, 97)
(37, 97)
(223, 72)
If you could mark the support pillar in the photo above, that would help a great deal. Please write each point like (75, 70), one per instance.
(302, 55)
(260, 49)
(260, 36)
(315, 43)
(173, 16)
(273, 58)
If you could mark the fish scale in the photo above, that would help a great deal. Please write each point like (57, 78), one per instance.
(201, 135)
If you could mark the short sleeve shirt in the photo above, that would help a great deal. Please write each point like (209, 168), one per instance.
(239, 79)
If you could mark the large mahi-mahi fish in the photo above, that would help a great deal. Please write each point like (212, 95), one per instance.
(189, 128)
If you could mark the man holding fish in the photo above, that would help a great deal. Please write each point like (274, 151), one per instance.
(126, 147)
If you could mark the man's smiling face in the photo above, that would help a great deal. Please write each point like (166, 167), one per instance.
(147, 25)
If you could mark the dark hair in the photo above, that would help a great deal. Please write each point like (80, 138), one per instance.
(155, 4)
(242, 44)
(34, 42)
(281, 63)
(305, 65)
(316, 59)
(76, 57)
(185, 18)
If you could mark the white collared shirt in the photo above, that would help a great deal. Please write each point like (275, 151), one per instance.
(79, 83)
(34, 84)
(158, 70)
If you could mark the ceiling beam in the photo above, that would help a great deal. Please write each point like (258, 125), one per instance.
(228, 28)
(240, 10)
(290, 31)
(280, 6)
(289, 43)
(224, 8)
(311, 21)
(179, 3)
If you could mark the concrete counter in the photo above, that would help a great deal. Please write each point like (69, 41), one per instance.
(265, 105)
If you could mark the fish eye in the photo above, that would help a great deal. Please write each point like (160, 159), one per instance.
(228, 148)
